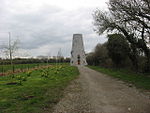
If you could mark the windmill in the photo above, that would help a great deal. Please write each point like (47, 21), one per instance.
(78, 53)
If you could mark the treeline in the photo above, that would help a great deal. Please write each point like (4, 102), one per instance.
(34, 60)
(128, 23)
(117, 53)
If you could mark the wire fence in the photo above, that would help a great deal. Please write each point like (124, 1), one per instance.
(5, 69)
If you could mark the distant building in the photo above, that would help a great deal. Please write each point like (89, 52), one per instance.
(78, 53)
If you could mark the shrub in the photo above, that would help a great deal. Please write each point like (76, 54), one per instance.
(28, 73)
(45, 73)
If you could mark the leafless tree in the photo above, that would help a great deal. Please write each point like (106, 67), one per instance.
(129, 17)
(11, 49)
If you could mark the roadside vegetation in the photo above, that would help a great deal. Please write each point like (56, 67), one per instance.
(137, 79)
(126, 53)
(6, 68)
(20, 64)
(127, 24)
(35, 91)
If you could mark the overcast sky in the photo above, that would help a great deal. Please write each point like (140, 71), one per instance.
(45, 26)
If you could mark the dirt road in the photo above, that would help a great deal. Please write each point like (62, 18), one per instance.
(94, 92)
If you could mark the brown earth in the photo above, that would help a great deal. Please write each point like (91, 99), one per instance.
(94, 92)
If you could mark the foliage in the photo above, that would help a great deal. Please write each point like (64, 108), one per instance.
(118, 49)
(36, 94)
(99, 56)
(21, 67)
(130, 18)
(28, 73)
(45, 73)
(32, 60)
(90, 58)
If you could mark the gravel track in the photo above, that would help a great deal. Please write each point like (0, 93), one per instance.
(94, 92)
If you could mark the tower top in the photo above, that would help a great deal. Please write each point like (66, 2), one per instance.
(77, 35)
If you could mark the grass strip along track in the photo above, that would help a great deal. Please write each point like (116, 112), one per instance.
(139, 80)
(35, 91)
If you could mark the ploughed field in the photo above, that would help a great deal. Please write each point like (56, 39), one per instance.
(36, 90)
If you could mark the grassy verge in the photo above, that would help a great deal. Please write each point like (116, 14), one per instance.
(36, 91)
(139, 80)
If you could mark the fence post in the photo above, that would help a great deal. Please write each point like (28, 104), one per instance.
(2, 67)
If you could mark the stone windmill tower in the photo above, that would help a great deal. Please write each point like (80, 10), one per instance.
(77, 53)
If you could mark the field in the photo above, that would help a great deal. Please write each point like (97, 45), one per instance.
(5, 68)
(35, 91)
(138, 80)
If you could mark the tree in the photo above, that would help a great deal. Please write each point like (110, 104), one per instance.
(90, 58)
(101, 53)
(99, 56)
(131, 18)
(11, 49)
(118, 49)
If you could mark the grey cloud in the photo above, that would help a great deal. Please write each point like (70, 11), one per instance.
(49, 26)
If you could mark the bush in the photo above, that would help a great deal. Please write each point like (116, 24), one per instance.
(28, 73)
(99, 56)
(118, 49)
(45, 73)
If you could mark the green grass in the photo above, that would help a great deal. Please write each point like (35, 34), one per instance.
(36, 91)
(139, 80)
(5, 68)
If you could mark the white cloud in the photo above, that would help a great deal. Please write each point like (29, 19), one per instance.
(44, 26)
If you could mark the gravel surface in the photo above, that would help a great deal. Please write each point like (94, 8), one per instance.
(94, 92)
